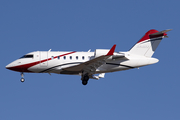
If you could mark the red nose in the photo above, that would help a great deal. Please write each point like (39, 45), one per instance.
(20, 68)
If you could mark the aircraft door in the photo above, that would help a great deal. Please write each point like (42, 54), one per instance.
(43, 59)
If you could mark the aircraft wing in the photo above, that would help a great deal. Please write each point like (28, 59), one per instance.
(91, 65)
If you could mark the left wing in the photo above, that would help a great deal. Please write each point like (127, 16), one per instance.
(90, 66)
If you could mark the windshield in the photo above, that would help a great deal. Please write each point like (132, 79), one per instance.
(27, 56)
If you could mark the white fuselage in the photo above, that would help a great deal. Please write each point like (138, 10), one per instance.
(55, 62)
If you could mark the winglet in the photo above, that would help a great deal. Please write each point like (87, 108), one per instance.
(111, 51)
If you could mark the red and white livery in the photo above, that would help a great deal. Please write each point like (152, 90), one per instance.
(88, 64)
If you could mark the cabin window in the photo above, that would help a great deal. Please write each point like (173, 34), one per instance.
(27, 56)
(83, 57)
(70, 57)
(58, 57)
(64, 57)
(52, 57)
(76, 57)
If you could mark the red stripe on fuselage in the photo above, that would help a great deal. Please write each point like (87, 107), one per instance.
(24, 67)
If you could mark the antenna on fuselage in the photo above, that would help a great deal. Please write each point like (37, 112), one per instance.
(89, 50)
(49, 50)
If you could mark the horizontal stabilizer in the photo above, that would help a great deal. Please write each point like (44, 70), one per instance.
(160, 34)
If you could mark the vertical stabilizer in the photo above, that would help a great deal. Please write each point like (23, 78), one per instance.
(147, 45)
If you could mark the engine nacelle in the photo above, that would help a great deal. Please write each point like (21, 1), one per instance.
(100, 52)
(118, 55)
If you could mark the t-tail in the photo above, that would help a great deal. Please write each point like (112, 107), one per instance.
(147, 45)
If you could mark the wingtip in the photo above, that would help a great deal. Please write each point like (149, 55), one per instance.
(111, 51)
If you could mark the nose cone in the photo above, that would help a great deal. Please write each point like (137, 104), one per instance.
(18, 66)
(15, 67)
(11, 66)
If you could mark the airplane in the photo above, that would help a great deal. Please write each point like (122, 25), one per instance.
(89, 64)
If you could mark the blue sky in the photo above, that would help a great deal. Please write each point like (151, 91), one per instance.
(151, 92)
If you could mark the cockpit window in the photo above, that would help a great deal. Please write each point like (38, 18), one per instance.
(27, 56)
